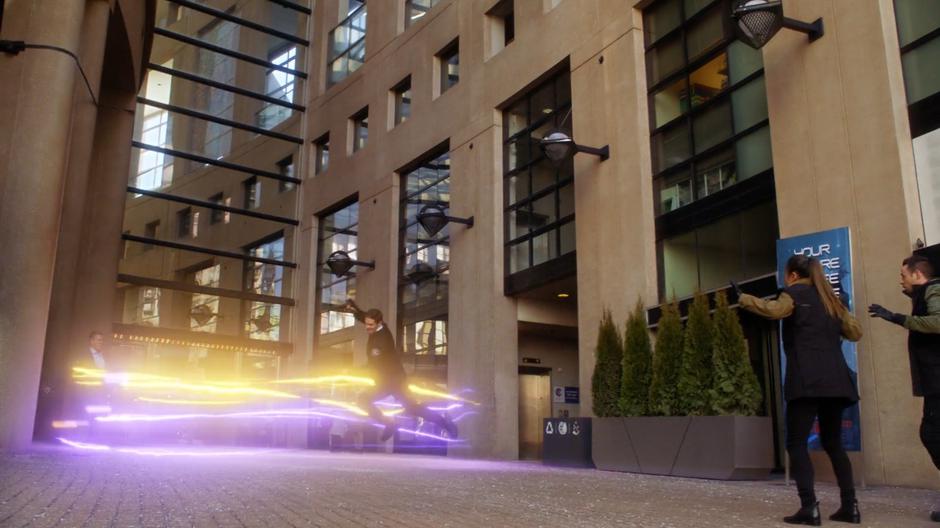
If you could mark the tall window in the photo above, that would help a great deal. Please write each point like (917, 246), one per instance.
(424, 265)
(448, 61)
(145, 309)
(150, 231)
(187, 223)
(217, 102)
(322, 153)
(919, 36)
(252, 188)
(154, 170)
(347, 43)
(280, 85)
(401, 101)
(416, 9)
(217, 215)
(360, 129)
(338, 232)
(263, 320)
(285, 168)
(204, 309)
(710, 132)
(708, 108)
(501, 26)
(539, 195)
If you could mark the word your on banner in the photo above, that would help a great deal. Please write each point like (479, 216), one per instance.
(833, 249)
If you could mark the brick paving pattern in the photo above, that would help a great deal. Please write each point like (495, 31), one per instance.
(59, 487)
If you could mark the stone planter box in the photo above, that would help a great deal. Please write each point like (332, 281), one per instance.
(712, 447)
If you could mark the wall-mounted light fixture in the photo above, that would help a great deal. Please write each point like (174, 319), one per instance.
(558, 147)
(757, 21)
(340, 263)
(433, 218)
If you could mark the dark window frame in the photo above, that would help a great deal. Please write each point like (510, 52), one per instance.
(360, 122)
(321, 146)
(444, 57)
(686, 119)
(559, 264)
(401, 103)
(321, 257)
(334, 55)
(436, 309)
(251, 187)
(286, 168)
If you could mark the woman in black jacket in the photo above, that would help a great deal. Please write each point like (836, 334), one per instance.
(818, 381)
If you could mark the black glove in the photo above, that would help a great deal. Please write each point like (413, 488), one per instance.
(876, 310)
(735, 292)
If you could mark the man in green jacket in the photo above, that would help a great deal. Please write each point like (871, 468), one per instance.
(923, 344)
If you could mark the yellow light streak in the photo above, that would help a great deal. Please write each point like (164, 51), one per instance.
(325, 380)
(188, 402)
(209, 389)
(135, 380)
(355, 409)
(89, 383)
(438, 394)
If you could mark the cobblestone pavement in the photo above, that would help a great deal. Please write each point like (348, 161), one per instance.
(60, 487)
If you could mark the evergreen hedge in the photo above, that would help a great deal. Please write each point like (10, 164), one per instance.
(637, 357)
(608, 356)
(735, 389)
(695, 376)
(667, 363)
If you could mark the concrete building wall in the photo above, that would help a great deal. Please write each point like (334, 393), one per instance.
(842, 156)
(841, 152)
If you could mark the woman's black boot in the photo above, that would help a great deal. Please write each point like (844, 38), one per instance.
(848, 513)
(808, 515)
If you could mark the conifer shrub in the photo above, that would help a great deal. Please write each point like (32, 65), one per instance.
(734, 389)
(637, 359)
(608, 356)
(695, 374)
(667, 363)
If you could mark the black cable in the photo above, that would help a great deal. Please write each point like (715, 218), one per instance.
(13, 47)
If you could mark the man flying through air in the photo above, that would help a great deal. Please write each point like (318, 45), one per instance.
(390, 377)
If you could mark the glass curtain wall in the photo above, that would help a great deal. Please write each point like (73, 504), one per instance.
(424, 269)
(347, 44)
(539, 213)
(710, 135)
(207, 272)
(919, 37)
(339, 231)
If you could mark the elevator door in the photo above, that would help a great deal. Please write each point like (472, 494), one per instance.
(534, 404)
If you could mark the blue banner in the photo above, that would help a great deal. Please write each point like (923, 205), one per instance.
(833, 248)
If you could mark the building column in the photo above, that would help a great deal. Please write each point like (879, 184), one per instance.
(616, 242)
(100, 252)
(843, 157)
(36, 100)
(483, 327)
(55, 372)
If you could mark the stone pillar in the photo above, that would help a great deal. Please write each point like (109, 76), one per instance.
(614, 198)
(55, 373)
(482, 334)
(100, 251)
(843, 157)
(36, 99)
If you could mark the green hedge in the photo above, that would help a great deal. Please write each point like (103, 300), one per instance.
(608, 355)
